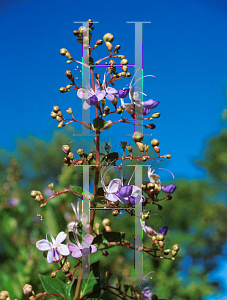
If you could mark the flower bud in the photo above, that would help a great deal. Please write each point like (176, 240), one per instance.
(69, 75)
(70, 155)
(159, 237)
(123, 145)
(106, 222)
(60, 125)
(99, 42)
(176, 247)
(4, 295)
(63, 90)
(105, 253)
(108, 37)
(156, 149)
(109, 46)
(80, 152)
(129, 148)
(53, 115)
(27, 290)
(124, 61)
(128, 74)
(68, 55)
(167, 251)
(161, 244)
(106, 110)
(125, 69)
(137, 136)
(69, 61)
(168, 156)
(82, 30)
(63, 51)
(89, 23)
(117, 47)
(141, 146)
(53, 274)
(174, 253)
(38, 198)
(146, 148)
(169, 197)
(58, 118)
(60, 114)
(65, 269)
(151, 126)
(69, 111)
(156, 115)
(154, 142)
(154, 297)
(150, 186)
(69, 86)
(76, 33)
(115, 213)
(112, 62)
(145, 216)
(108, 229)
(56, 109)
(119, 110)
(123, 74)
(34, 194)
(51, 186)
(65, 149)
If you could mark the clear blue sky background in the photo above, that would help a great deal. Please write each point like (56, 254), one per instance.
(185, 47)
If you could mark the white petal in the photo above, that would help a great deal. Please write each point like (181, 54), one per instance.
(101, 95)
(136, 96)
(86, 105)
(114, 185)
(112, 197)
(77, 253)
(83, 93)
(138, 199)
(43, 245)
(110, 97)
(50, 256)
(84, 218)
(150, 231)
(70, 226)
(135, 189)
(93, 249)
(87, 241)
(63, 250)
(60, 237)
(111, 90)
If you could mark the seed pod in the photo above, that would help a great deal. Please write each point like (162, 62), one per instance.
(65, 269)
(137, 136)
(69, 75)
(176, 247)
(89, 23)
(108, 37)
(129, 148)
(112, 62)
(119, 110)
(123, 74)
(82, 30)
(27, 290)
(141, 146)
(154, 142)
(146, 148)
(69, 86)
(117, 47)
(169, 197)
(106, 222)
(63, 51)
(60, 114)
(150, 186)
(106, 110)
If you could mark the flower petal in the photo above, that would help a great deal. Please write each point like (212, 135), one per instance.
(122, 93)
(169, 189)
(150, 231)
(150, 103)
(110, 97)
(60, 238)
(77, 253)
(93, 248)
(163, 230)
(87, 241)
(83, 93)
(43, 245)
(111, 197)
(146, 111)
(63, 250)
(114, 185)
(111, 90)
(72, 247)
(125, 191)
(86, 104)
(50, 255)
(101, 95)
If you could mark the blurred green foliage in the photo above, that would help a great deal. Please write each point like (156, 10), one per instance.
(196, 218)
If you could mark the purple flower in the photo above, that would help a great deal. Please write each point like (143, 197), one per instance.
(82, 249)
(169, 189)
(122, 93)
(146, 111)
(125, 191)
(150, 103)
(146, 293)
(163, 230)
(13, 201)
(110, 92)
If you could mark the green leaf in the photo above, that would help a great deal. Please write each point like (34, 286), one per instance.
(86, 194)
(80, 41)
(56, 286)
(98, 123)
(90, 285)
(88, 125)
(101, 239)
(107, 125)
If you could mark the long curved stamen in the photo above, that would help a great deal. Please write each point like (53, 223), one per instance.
(143, 77)
(75, 234)
(41, 219)
(133, 173)
(134, 77)
(145, 278)
(168, 171)
(74, 209)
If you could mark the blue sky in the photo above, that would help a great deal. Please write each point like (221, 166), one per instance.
(185, 47)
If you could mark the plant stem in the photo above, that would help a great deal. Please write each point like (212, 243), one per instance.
(79, 285)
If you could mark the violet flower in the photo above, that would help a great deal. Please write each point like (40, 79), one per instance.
(56, 250)
(150, 231)
(163, 230)
(91, 97)
(122, 93)
(169, 189)
(82, 249)
(117, 192)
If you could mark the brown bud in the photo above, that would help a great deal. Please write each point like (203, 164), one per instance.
(66, 149)
(70, 155)
(108, 37)
(108, 229)
(53, 115)
(63, 51)
(34, 194)
(154, 142)
(137, 136)
(27, 290)
(156, 149)
(56, 109)
(58, 118)
(106, 222)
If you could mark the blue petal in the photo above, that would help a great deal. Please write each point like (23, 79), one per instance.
(169, 189)
(150, 103)
(163, 230)
(122, 93)
(125, 191)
